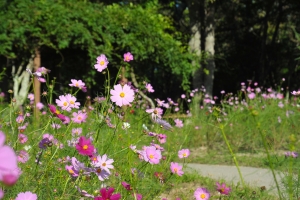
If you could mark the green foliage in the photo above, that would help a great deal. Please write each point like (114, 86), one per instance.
(96, 29)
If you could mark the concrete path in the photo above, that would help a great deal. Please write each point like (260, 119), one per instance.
(255, 177)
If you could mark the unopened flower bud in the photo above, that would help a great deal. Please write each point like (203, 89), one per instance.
(10, 91)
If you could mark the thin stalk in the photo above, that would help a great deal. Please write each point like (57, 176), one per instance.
(232, 154)
(268, 157)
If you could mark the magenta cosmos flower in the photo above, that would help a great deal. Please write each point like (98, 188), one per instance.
(102, 63)
(128, 57)
(183, 153)
(84, 146)
(108, 195)
(201, 194)
(7, 154)
(122, 95)
(222, 188)
(26, 196)
(176, 169)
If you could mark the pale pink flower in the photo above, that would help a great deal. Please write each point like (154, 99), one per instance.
(104, 163)
(183, 153)
(63, 103)
(122, 95)
(26, 196)
(72, 101)
(22, 138)
(155, 112)
(30, 96)
(39, 105)
(176, 169)
(149, 87)
(201, 194)
(76, 131)
(128, 57)
(79, 117)
(102, 63)
(251, 95)
(162, 138)
(23, 156)
(182, 96)
(77, 83)
(178, 123)
(152, 155)
(20, 119)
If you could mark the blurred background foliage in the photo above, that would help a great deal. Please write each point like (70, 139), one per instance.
(254, 39)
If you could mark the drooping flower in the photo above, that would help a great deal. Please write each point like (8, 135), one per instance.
(155, 112)
(164, 124)
(178, 123)
(162, 138)
(122, 95)
(128, 57)
(79, 117)
(26, 196)
(101, 173)
(183, 153)
(108, 195)
(137, 196)
(84, 146)
(176, 169)
(201, 194)
(102, 63)
(84, 193)
(126, 185)
(222, 188)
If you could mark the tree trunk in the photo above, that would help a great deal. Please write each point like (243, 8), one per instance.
(37, 83)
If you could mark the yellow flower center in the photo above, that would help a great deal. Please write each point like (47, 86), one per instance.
(71, 171)
(85, 147)
(122, 94)
(202, 196)
(155, 112)
(76, 84)
(184, 154)
(71, 102)
(57, 112)
(79, 118)
(175, 170)
(151, 156)
(104, 164)
(101, 62)
(65, 103)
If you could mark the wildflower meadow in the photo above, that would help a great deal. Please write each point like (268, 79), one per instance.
(121, 145)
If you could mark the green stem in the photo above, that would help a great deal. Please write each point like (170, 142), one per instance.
(232, 154)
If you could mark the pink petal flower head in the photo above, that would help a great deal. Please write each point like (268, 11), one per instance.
(30, 96)
(178, 123)
(84, 146)
(104, 163)
(162, 138)
(22, 138)
(26, 196)
(152, 155)
(176, 169)
(7, 154)
(251, 95)
(20, 118)
(149, 88)
(201, 194)
(79, 117)
(77, 83)
(23, 156)
(137, 196)
(39, 105)
(222, 188)
(108, 195)
(102, 63)
(122, 95)
(63, 103)
(183, 153)
(128, 57)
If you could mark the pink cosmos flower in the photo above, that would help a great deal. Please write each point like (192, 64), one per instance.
(72, 171)
(149, 87)
(176, 169)
(30, 96)
(22, 138)
(178, 123)
(23, 156)
(79, 117)
(26, 196)
(128, 57)
(102, 63)
(201, 194)
(39, 105)
(183, 153)
(7, 154)
(72, 101)
(108, 195)
(84, 146)
(162, 138)
(101, 173)
(222, 188)
(251, 95)
(151, 155)
(183, 96)
(122, 95)
(155, 112)
(63, 103)
(77, 83)
(20, 119)
(104, 163)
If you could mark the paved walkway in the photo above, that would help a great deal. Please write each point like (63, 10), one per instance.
(256, 177)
